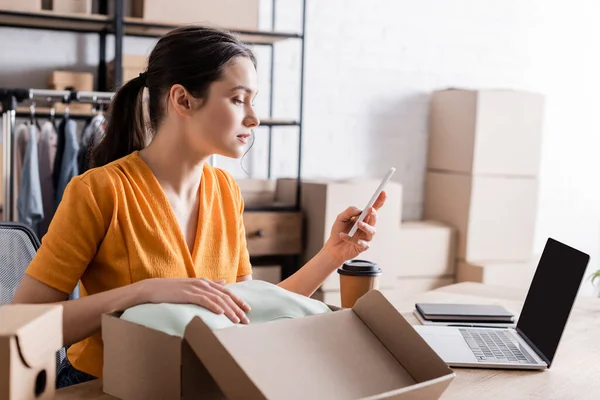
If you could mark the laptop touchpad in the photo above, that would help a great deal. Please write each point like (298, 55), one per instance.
(450, 347)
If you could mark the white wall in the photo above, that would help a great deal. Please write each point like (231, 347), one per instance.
(370, 67)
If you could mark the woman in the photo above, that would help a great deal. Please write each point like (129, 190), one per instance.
(155, 223)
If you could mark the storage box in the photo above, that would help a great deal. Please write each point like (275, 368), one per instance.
(21, 5)
(323, 200)
(426, 249)
(133, 66)
(270, 273)
(72, 6)
(70, 80)
(494, 216)
(273, 232)
(30, 336)
(257, 192)
(515, 274)
(369, 350)
(238, 14)
(486, 132)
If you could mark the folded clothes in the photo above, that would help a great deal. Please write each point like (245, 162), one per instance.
(268, 302)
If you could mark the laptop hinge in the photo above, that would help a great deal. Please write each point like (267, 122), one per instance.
(533, 347)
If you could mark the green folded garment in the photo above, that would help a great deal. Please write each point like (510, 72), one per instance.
(268, 302)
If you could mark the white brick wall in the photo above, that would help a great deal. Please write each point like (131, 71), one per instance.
(370, 67)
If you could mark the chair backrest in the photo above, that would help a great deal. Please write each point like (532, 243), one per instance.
(18, 245)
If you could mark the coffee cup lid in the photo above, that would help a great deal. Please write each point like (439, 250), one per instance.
(359, 268)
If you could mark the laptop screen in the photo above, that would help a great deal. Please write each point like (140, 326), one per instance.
(551, 296)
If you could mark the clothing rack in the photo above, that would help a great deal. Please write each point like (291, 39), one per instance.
(10, 98)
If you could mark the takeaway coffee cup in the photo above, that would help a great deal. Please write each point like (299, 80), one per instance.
(357, 277)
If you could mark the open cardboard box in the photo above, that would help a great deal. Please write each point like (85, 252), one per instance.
(30, 336)
(369, 351)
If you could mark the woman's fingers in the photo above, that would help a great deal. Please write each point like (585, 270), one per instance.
(205, 301)
(229, 309)
(362, 245)
(368, 230)
(236, 299)
(239, 313)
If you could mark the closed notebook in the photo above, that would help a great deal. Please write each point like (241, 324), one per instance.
(464, 312)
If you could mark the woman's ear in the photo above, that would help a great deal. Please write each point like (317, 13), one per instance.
(181, 100)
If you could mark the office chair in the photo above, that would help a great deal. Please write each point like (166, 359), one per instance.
(18, 245)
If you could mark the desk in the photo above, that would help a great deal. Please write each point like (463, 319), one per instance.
(575, 372)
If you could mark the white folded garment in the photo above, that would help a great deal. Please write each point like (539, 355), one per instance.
(268, 302)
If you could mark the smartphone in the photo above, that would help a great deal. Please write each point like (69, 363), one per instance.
(365, 210)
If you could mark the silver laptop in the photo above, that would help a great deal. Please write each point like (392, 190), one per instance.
(533, 343)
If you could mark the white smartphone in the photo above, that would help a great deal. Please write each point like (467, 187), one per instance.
(365, 210)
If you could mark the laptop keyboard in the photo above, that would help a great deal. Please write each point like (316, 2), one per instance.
(495, 346)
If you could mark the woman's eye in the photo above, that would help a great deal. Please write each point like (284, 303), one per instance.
(238, 101)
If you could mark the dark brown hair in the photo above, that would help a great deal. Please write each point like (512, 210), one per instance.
(192, 56)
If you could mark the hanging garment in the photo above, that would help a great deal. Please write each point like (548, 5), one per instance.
(21, 139)
(91, 136)
(69, 167)
(60, 149)
(47, 153)
(29, 202)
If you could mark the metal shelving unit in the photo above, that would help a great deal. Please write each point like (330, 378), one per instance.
(120, 26)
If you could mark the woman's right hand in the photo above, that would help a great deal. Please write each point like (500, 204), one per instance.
(213, 296)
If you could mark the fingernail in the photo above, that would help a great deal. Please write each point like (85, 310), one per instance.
(246, 320)
(236, 320)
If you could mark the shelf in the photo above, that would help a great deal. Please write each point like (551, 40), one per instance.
(140, 27)
(45, 112)
(278, 122)
(49, 20)
(278, 207)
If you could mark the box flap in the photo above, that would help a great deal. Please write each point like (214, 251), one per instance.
(26, 322)
(229, 376)
(400, 338)
(336, 352)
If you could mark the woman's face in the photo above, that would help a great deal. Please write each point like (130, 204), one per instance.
(222, 123)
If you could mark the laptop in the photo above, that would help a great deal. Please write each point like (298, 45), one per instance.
(533, 343)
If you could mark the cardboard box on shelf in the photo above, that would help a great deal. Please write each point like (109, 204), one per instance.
(72, 6)
(486, 131)
(28, 358)
(21, 5)
(257, 192)
(141, 363)
(403, 287)
(510, 274)
(65, 80)
(238, 14)
(133, 65)
(267, 273)
(426, 248)
(494, 216)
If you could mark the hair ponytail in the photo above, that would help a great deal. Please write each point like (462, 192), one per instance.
(125, 132)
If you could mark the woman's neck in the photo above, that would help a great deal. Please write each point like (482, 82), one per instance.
(176, 168)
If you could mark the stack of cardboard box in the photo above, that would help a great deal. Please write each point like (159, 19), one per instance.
(414, 257)
(482, 179)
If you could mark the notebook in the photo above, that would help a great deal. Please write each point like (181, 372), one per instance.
(446, 312)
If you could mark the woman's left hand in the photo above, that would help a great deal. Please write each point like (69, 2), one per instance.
(343, 247)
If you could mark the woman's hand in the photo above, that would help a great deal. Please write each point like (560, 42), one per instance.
(343, 247)
(213, 296)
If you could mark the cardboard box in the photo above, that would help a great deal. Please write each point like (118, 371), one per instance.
(486, 132)
(403, 287)
(267, 273)
(494, 216)
(257, 192)
(70, 80)
(369, 350)
(21, 5)
(133, 66)
(28, 357)
(426, 248)
(238, 14)
(510, 274)
(72, 6)
(323, 200)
